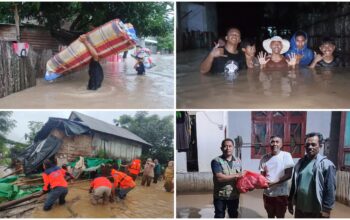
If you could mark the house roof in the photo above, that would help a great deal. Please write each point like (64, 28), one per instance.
(101, 126)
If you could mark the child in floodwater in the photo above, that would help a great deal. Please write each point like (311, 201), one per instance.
(139, 66)
(249, 49)
(327, 59)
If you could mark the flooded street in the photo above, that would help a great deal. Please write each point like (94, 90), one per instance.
(142, 202)
(255, 89)
(121, 88)
(251, 206)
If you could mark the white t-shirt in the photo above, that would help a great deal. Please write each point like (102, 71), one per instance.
(274, 166)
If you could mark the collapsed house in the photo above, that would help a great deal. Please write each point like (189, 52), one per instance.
(63, 140)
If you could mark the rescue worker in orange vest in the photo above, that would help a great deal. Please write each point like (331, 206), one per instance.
(134, 168)
(102, 190)
(54, 184)
(123, 183)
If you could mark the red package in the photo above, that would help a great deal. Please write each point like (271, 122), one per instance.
(251, 181)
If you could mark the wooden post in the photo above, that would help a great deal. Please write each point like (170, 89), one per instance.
(18, 33)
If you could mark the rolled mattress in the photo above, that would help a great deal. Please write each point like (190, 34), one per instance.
(110, 38)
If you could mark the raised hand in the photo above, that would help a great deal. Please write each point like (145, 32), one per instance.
(292, 59)
(217, 52)
(317, 57)
(262, 58)
(83, 38)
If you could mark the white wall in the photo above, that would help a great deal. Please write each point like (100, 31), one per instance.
(181, 162)
(319, 122)
(209, 137)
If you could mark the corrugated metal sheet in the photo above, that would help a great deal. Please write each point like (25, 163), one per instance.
(7, 32)
(37, 37)
(116, 147)
(104, 127)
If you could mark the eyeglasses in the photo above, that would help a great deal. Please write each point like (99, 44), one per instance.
(310, 144)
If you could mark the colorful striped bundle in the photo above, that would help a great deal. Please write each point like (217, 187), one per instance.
(110, 38)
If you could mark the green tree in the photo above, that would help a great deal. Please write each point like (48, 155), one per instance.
(148, 18)
(34, 127)
(156, 131)
(6, 125)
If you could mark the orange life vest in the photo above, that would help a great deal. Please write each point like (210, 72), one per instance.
(135, 167)
(101, 181)
(54, 177)
(122, 180)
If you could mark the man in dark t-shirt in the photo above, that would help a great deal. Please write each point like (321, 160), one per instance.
(226, 59)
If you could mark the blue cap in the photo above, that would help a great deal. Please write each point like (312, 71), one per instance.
(49, 76)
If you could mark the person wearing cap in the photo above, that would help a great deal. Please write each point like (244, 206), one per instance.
(225, 59)
(54, 184)
(276, 47)
(298, 45)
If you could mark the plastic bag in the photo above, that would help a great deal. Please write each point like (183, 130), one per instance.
(251, 181)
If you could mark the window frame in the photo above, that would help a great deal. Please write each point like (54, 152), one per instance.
(342, 148)
(287, 120)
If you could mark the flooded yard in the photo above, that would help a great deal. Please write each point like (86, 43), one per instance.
(251, 206)
(255, 89)
(141, 202)
(122, 88)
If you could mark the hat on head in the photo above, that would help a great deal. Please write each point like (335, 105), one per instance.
(285, 44)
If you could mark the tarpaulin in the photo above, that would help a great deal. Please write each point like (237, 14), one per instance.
(70, 128)
(39, 152)
(10, 192)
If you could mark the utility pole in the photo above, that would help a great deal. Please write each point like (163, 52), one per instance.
(18, 34)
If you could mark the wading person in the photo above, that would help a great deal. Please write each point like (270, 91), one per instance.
(169, 177)
(54, 184)
(313, 182)
(95, 68)
(276, 46)
(157, 171)
(101, 189)
(277, 167)
(249, 50)
(134, 168)
(226, 170)
(327, 59)
(148, 172)
(298, 46)
(227, 58)
(123, 183)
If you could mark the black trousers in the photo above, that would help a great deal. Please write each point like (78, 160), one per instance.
(221, 205)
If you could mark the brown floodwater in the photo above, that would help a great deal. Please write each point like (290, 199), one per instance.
(255, 89)
(251, 206)
(121, 88)
(141, 202)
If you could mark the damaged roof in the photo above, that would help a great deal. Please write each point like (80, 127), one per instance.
(101, 126)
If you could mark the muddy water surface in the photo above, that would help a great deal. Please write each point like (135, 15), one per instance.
(251, 206)
(300, 88)
(121, 88)
(142, 202)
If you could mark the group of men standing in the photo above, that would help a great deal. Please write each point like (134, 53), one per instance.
(313, 177)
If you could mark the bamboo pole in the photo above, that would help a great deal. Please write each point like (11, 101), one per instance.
(5, 205)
